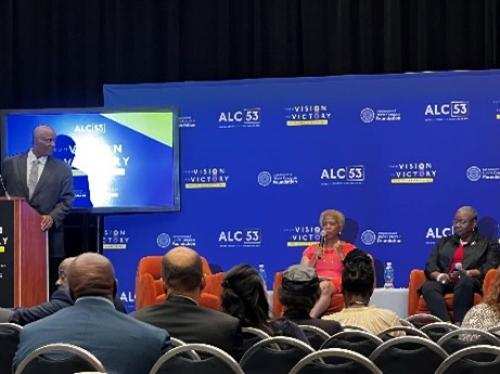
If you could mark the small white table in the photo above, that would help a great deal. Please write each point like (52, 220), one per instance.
(395, 299)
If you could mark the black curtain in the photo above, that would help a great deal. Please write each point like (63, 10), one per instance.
(59, 53)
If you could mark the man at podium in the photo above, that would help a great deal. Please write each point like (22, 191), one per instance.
(47, 185)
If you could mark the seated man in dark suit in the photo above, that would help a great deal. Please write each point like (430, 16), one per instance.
(298, 293)
(123, 344)
(458, 264)
(59, 299)
(181, 315)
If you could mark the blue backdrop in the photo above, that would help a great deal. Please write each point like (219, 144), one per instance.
(260, 159)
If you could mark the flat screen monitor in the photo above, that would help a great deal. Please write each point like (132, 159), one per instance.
(122, 161)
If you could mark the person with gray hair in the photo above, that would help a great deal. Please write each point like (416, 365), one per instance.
(458, 264)
(326, 258)
(123, 344)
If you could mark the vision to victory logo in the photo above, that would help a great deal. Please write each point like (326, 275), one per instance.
(265, 178)
(412, 173)
(240, 238)
(302, 235)
(247, 117)
(369, 115)
(476, 173)
(370, 237)
(308, 115)
(115, 239)
(348, 175)
(457, 110)
(3, 240)
(186, 121)
(206, 178)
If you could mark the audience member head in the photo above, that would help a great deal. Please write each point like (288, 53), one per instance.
(357, 278)
(182, 272)
(91, 274)
(63, 271)
(493, 298)
(299, 289)
(332, 222)
(465, 222)
(244, 297)
(44, 140)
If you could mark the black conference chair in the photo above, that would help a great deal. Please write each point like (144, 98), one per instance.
(214, 361)
(421, 319)
(252, 335)
(495, 331)
(409, 355)
(352, 362)
(179, 343)
(436, 330)
(316, 335)
(276, 355)
(463, 338)
(59, 358)
(392, 332)
(357, 341)
(9, 339)
(481, 359)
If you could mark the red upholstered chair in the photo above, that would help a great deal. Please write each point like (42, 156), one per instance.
(149, 288)
(336, 305)
(416, 302)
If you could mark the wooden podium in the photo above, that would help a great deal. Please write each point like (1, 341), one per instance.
(23, 255)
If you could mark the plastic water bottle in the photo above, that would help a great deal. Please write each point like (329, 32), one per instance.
(263, 275)
(389, 275)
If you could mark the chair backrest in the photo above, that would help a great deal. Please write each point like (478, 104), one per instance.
(466, 360)
(463, 338)
(391, 332)
(179, 343)
(59, 358)
(408, 354)
(354, 362)
(422, 319)
(252, 335)
(316, 335)
(404, 322)
(351, 327)
(215, 361)
(436, 330)
(9, 339)
(495, 331)
(357, 341)
(276, 355)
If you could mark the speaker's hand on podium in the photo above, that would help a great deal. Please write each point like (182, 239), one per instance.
(47, 222)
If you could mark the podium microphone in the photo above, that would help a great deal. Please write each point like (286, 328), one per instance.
(7, 195)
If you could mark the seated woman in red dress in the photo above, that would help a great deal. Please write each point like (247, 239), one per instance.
(326, 257)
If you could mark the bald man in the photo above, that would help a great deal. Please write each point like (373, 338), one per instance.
(123, 344)
(458, 264)
(181, 315)
(47, 185)
(59, 299)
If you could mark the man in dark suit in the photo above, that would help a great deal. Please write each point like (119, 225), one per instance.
(181, 315)
(59, 299)
(458, 264)
(123, 344)
(47, 185)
